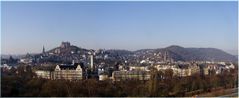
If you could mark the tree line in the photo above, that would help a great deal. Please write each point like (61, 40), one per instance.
(23, 82)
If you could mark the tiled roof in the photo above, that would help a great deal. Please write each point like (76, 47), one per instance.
(69, 66)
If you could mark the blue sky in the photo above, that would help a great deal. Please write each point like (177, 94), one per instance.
(27, 26)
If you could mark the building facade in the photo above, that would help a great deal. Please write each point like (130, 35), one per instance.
(68, 72)
(43, 74)
(130, 75)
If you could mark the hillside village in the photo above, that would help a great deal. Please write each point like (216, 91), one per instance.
(72, 63)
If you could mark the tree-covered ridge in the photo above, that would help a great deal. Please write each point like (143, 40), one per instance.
(177, 53)
(199, 54)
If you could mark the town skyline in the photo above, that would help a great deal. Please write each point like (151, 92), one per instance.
(119, 48)
(232, 52)
(126, 25)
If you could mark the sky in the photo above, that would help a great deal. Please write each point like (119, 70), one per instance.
(28, 26)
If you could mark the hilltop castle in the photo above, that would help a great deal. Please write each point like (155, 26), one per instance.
(65, 44)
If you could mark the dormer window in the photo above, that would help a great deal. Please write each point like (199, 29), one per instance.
(78, 67)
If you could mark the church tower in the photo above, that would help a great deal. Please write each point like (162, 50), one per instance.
(43, 50)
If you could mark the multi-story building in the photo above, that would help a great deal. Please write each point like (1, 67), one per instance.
(184, 70)
(68, 72)
(181, 70)
(130, 75)
(206, 71)
(194, 69)
(44, 74)
(163, 66)
(103, 76)
(142, 68)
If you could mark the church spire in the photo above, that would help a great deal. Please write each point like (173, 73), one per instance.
(43, 49)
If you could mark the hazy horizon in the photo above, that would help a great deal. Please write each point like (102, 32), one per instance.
(28, 26)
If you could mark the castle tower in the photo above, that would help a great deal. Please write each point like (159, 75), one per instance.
(65, 44)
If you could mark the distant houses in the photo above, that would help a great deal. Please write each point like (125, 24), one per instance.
(132, 72)
(116, 65)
